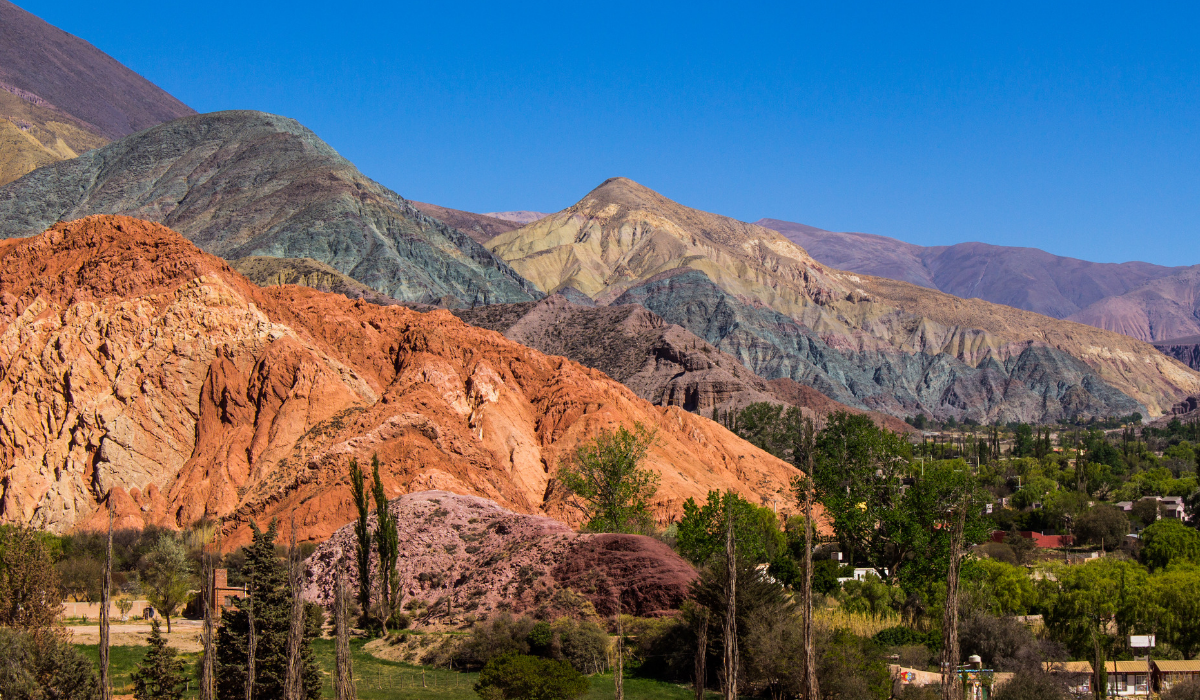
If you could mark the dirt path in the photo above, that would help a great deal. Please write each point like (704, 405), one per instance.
(185, 634)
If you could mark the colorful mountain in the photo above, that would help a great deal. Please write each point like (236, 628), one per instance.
(868, 342)
(60, 96)
(139, 368)
(241, 184)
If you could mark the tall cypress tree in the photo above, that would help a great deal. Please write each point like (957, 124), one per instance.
(267, 577)
(387, 542)
(362, 550)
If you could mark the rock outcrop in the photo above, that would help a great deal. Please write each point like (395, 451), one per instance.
(1186, 350)
(242, 184)
(463, 555)
(868, 342)
(133, 365)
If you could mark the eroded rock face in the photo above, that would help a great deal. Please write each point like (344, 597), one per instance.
(466, 555)
(133, 362)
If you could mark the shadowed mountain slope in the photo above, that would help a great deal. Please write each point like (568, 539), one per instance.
(136, 365)
(481, 227)
(868, 342)
(1186, 350)
(242, 184)
(1025, 278)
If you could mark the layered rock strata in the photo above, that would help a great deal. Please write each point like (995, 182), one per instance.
(867, 342)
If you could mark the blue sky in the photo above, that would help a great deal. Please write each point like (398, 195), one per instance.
(1069, 127)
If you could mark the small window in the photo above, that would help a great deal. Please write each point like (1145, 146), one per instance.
(1140, 683)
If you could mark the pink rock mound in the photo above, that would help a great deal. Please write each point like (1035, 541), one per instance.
(465, 555)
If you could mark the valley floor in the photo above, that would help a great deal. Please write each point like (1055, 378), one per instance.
(378, 679)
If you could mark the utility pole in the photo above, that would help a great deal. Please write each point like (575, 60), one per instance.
(731, 655)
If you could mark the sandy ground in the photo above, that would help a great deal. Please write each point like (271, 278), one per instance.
(184, 636)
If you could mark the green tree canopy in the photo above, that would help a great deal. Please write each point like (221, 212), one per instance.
(269, 593)
(160, 674)
(523, 677)
(607, 483)
(1103, 525)
(701, 530)
(770, 427)
(1167, 541)
(168, 576)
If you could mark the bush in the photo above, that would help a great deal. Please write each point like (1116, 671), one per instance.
(852, 667)
(499, 635)
(1189, 690)
(522, 677)
(907, 636)
(1005, 644)
(40, 666)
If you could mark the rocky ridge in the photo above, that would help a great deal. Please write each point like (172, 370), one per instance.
(134, 365)
(241, 184)
(1186, 350)
(868, 342)
(464, 555)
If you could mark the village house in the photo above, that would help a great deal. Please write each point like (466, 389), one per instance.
(1169, 673)
(1076, 674)
(1127, 679)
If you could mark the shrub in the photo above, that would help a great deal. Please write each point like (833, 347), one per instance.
(1189, 690)
(522, 677)
(499, 635)
(40, 666)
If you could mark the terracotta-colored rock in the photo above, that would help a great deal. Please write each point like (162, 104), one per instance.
(132, 361)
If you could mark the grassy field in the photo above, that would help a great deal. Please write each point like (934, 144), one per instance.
(377, 679)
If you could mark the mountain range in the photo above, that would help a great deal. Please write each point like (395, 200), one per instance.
(1141, 300)
(60, 96)
(868, 342)
(244, 184)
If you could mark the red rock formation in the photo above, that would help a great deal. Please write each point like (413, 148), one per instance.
(130, 360)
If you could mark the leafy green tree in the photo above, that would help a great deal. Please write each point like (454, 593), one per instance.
(160, 674)
(1167, 541)
(1103, 525)
(1176, 593)
(522, 677)
(168, 577)
(30, 597)
(1085, 601)
(267, 579)
(607, 484)
(858, 476)
(362, 534)
(1003, 589)
(40, 665)
(1023, 445)
(701, 531)
(770, 427)
(387, 545)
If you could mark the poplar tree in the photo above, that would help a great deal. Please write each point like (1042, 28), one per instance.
(363, 535)
(387, 544)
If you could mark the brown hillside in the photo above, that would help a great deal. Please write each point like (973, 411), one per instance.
(132, 361)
